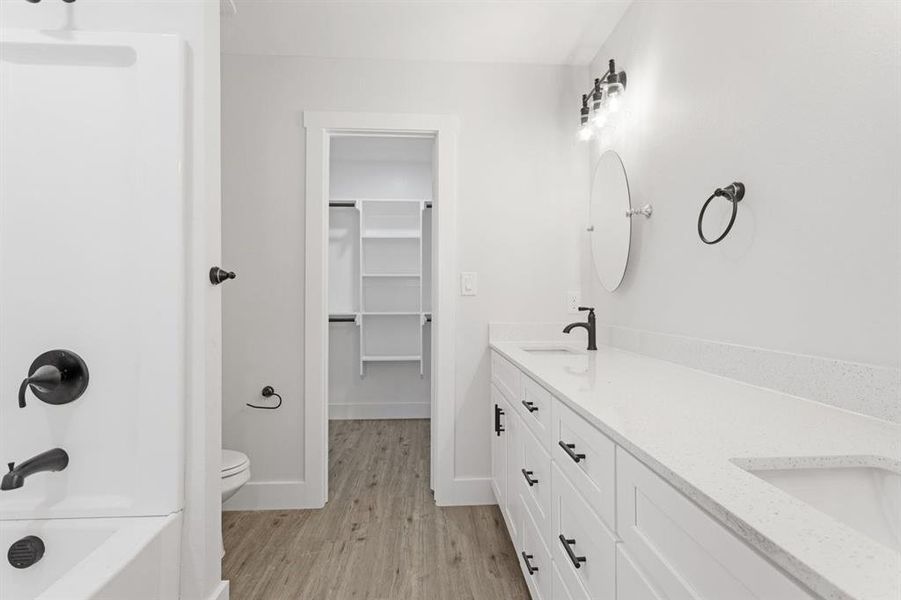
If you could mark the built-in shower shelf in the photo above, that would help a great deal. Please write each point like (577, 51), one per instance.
(390, 313)
(410, 275)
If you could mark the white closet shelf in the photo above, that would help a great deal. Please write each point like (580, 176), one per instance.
(380, 199)
(389, 358)
(391, 235)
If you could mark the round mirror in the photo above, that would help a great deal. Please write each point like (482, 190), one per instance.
(611, 229)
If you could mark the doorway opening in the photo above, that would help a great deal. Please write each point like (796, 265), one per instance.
(379, 315)
(379, 299)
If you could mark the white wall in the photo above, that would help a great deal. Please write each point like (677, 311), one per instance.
(522, 180)
(197, 22)
(801, 102)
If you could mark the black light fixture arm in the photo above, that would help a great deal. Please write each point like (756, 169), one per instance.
(609, 76)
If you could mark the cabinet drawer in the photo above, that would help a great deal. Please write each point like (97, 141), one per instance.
(588, 458)
(506, 376)
(631, 584)
(683, 552)
(534, 406)
(582, 546)
(559, 589)
(535, 560)
(534, 480)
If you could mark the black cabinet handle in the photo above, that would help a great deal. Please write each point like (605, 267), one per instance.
(528, 476)
(567, 545)
(568, 448)
(498, 428)
(526, 558)
(530, 406)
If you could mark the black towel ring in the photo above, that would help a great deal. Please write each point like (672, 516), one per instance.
(733, 193)
(267, 392)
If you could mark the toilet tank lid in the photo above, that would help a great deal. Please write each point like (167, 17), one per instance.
(232, 460)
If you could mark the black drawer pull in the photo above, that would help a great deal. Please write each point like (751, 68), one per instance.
(530, 406)
(525, 558)
(568, 448)
(567, 545)
(498, 428)
(528, 476)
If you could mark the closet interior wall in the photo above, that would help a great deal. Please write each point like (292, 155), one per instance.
(379, 277)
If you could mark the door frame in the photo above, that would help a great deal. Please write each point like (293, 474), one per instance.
(319, 128)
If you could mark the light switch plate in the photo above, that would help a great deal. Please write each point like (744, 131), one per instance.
(573, 300)
(469, 283)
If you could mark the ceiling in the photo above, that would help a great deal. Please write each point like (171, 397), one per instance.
(553, 32)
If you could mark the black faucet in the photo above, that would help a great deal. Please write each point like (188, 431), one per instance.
(51, 460)
(590, 327)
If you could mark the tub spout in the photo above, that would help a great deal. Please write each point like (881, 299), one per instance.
(51, 460)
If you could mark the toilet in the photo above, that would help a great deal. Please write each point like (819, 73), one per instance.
(235, 472)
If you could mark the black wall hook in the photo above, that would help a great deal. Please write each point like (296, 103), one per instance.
(218, 275)
(734, 193)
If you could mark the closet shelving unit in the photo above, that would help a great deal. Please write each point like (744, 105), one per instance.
(390, 288)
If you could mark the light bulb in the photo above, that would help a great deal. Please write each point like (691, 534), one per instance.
(614, 91)
(585, 133)
(599, 118)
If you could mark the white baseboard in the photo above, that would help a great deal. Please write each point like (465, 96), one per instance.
(395, 410)
(271, 495)
(469, 491)
(221, 592)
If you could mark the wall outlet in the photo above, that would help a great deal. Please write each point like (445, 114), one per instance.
(573, 301)
(469, 284)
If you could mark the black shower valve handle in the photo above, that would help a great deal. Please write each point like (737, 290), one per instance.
(55, 377)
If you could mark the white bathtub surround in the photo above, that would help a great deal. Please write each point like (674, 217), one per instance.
(689, 427)
(131, 336)
(134, 558)
(145, 459)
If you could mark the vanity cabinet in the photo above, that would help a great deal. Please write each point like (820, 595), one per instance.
(681, 550)
(589, 521)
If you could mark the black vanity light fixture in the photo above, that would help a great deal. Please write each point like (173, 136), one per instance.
(601, 101)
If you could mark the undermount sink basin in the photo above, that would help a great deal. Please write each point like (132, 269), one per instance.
(867, 499)
(552, 350)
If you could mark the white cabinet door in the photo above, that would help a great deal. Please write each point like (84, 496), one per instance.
(513, 436)
(534, 558)
(631, 584)
(685, 553)
(582, 546)
(499, 410)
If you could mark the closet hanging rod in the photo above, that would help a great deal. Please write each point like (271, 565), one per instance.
(353, 203)
(342, 319)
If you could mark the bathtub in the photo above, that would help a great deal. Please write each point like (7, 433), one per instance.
(96, 559)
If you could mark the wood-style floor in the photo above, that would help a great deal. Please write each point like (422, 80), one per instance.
(380, 537)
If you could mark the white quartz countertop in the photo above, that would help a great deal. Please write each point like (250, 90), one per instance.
(689, 426)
